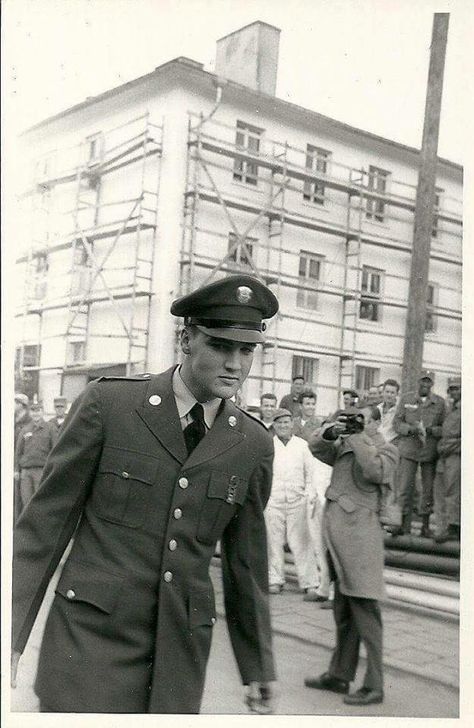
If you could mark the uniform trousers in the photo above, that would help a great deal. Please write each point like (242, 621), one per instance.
(29, 482)
(407, 489)
(288, 523)
(447, 492)
(357, 620)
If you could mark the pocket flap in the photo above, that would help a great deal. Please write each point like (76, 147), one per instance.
(202, 608)
(128, 465)
(230, 488)
(80, 582)
(346, 503)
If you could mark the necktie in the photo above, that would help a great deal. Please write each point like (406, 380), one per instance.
(195, 431)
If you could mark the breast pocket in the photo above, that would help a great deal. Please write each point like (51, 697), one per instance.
(225, 491)
(122, 490)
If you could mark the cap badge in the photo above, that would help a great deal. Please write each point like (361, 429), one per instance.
(155, 399)
(244, 294)
(232, 421)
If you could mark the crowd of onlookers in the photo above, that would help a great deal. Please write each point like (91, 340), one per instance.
(425, 429)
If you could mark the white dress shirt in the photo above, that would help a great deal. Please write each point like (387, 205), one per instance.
(185, 401)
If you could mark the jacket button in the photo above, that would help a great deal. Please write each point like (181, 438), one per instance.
(70, 594)
(183, 482)
(233, 479)
(177, 513)
(213, 620)
(168, 576)
(125, 474)
(173, 545)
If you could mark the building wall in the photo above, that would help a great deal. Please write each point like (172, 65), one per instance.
(313, 332)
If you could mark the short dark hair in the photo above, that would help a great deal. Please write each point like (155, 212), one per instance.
(297, 376)
(268, 395)
(309, 394)
(392, 383)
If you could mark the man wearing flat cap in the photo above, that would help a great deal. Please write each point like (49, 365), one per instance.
(418, 420)
(447, 484)
(156, 469)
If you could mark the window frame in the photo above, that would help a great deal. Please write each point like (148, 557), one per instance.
(317, 160)
(370, 376)
(299, 368)
(236, 259)
(374, 207)
(371, 298)
(92, 139)
(304, 296)
(247, 172)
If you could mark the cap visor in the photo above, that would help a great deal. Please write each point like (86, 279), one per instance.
(245, 336)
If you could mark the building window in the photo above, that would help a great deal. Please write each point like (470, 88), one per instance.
(81, 271)
(431, 301)
(94, 145)
(371, 290)
(31, 355)
(317, 160)
(309, 277)
(76, 352)
(41, 265)
(436, 208)
(247, 139)
(377, 182)
(241, 256)
(306, 367)
(366, 377)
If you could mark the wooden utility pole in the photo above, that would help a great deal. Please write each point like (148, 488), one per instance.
(425, 198)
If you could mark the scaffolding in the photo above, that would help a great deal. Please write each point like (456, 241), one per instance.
(253, 182)
(98, 227)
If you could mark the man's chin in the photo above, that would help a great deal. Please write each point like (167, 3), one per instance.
(227, 390)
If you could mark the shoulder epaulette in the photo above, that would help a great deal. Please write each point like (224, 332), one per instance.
(252, 417)
(131, 378)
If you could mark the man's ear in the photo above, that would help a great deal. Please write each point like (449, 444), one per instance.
(185, 341)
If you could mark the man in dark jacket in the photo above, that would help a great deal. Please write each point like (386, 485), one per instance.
(292, 401)
(56, 422)
(447, 484)
(418, 420)
(157, 469)
(34, 444)
(22, 418)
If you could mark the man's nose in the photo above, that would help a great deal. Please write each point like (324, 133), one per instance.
(233, 360)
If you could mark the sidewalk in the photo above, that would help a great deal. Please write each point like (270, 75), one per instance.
(417, 643)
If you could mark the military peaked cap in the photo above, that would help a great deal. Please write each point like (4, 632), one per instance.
(22, 399)
(454, 382)
(426, 374)
(282, 412)
(232, 308)
(60, 400)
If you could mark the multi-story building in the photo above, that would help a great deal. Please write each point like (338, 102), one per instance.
(144, 192)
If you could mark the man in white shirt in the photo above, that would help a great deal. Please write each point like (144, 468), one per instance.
(292, 499)
(390, 513)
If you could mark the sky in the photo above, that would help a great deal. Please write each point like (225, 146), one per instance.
(363, 62)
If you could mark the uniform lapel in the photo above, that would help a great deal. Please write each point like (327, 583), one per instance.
(225, 433)
(161, 417)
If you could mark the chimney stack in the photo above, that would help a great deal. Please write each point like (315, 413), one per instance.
(249, 56)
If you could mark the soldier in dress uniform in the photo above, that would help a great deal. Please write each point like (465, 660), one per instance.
(156, 469)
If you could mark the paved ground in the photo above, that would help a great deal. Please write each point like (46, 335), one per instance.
(421, 655)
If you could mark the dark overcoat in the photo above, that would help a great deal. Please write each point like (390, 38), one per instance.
(130, 626)
(412, 410)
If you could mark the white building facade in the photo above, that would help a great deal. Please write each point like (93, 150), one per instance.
(139, 195)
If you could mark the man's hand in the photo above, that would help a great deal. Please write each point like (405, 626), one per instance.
(14, 667)
(16, 475)
(261, 697)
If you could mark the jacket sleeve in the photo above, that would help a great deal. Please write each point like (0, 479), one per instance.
(437, 428)
(449, 446)
(19, 450)
(245, 577)
(378, 462)
(399, 424)
(324, 450)
(47, 524)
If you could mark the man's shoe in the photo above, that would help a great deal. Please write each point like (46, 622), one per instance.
(275, 588)
(327, 682)
(311, 595)
(364, 696)
(327, 604)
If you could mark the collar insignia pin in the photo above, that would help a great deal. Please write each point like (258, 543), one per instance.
(155, 399)
(232, 421)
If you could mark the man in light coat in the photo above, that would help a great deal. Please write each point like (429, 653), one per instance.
(155, 469)
(291, 502)
(362, 463)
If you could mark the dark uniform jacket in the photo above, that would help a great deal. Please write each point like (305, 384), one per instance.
(130, 627)
(56, 426)
(450, 442)
(20, 424)
(291, 402)
(307, 429)
(34, 445)
(410, 411)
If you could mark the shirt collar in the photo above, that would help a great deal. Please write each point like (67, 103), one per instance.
(185, 400)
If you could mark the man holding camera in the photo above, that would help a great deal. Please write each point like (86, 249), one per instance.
(362, 464)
